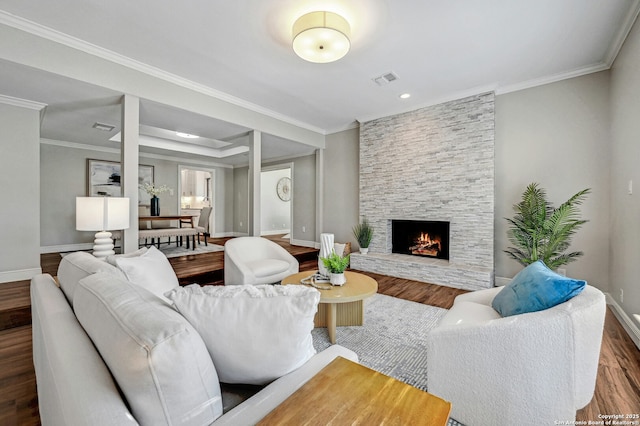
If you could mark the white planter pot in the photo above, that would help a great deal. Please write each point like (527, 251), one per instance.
(364, 250)
(337, 279)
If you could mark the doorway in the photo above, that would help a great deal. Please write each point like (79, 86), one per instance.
(196, 186)
(276, 200)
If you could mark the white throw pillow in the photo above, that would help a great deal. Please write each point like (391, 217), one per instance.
(157, 358)
(111, 259)
(78, 265)
(150, 270)
(254, 333)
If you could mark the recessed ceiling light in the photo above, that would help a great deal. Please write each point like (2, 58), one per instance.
(103, 127)
(187, 135)
(405, 96)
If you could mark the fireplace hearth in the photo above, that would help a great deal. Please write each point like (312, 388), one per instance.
(420, 238)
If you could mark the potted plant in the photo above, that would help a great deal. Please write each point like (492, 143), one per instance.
(336, 265)
(541, 232)
(154, 191)
(363, 233)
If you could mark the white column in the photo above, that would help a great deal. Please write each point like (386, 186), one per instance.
(129, 155)
(255, 169)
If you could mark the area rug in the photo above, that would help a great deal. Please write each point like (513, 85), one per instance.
(393, 339)
(172, 251)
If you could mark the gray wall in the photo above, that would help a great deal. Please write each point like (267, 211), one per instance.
(19, 189)
(340, 182)
(557, 135)
(625, 155)
(63, 178)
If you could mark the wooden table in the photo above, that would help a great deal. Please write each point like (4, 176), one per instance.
(341, 305)
(347, 393)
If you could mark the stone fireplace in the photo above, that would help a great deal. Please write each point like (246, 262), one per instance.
(435, 164)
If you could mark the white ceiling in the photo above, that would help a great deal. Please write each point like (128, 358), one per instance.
(439, 49)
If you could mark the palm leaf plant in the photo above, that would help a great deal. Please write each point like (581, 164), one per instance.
(363, 233)
(539, 231)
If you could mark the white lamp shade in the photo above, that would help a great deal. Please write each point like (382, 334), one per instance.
(102, 213)
(321, 37)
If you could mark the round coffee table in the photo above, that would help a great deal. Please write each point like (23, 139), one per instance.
(349, 296)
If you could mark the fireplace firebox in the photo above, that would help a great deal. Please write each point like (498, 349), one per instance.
(420, 238)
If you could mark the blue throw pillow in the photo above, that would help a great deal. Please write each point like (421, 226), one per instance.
(535, 288)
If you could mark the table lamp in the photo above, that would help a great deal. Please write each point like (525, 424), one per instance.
(102, 214)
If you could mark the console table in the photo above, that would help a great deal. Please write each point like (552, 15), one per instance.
(347, 393)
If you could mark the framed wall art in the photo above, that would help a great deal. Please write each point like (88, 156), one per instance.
(103, 179)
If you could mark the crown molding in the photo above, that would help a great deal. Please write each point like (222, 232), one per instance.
(601, 66)
(433, 101)
(106, 54)
(622, 34)
(75, 145)
(22, 103)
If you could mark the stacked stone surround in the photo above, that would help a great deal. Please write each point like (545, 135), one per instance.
(435, 163)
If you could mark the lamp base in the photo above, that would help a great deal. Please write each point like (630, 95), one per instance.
(103, 245)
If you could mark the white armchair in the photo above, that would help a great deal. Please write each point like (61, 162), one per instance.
(528, 369)
(256, 260)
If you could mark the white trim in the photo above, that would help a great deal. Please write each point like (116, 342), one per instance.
(19, 275)
(224, 234)
(623, 32)
(627, 323)
(431, 102)
(501, 281)
(276, 232)
(64, 248)
(601, 66)
(352, 125)
(22, 103)
(189, 161)
(100, 52)
(305, 243)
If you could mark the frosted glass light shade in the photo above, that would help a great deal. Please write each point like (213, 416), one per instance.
(102, 213)
(321, 37)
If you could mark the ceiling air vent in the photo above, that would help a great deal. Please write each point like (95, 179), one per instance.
(103, 127)
(385, 78)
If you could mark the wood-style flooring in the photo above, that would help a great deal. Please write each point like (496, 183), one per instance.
(617, 386)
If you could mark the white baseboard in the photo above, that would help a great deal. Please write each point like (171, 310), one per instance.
(276, 232)
(224, 234)
(66, 248)
(627, 323)
(501, 281)
(305, 243)
(19, 275)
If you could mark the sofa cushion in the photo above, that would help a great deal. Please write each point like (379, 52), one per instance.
(158, 360)
(255, 334)
(78, 265)
(535, 288)
(150, 270)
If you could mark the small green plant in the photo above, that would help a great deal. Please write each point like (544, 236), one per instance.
(363, 233)
(539, 231)
(335, 263)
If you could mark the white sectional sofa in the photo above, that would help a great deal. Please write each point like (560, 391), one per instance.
(75, 384)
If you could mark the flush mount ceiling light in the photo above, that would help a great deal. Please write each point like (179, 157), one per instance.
(187, 135)
(321, 37)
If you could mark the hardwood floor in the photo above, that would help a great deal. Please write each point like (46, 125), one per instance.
(617, 386)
